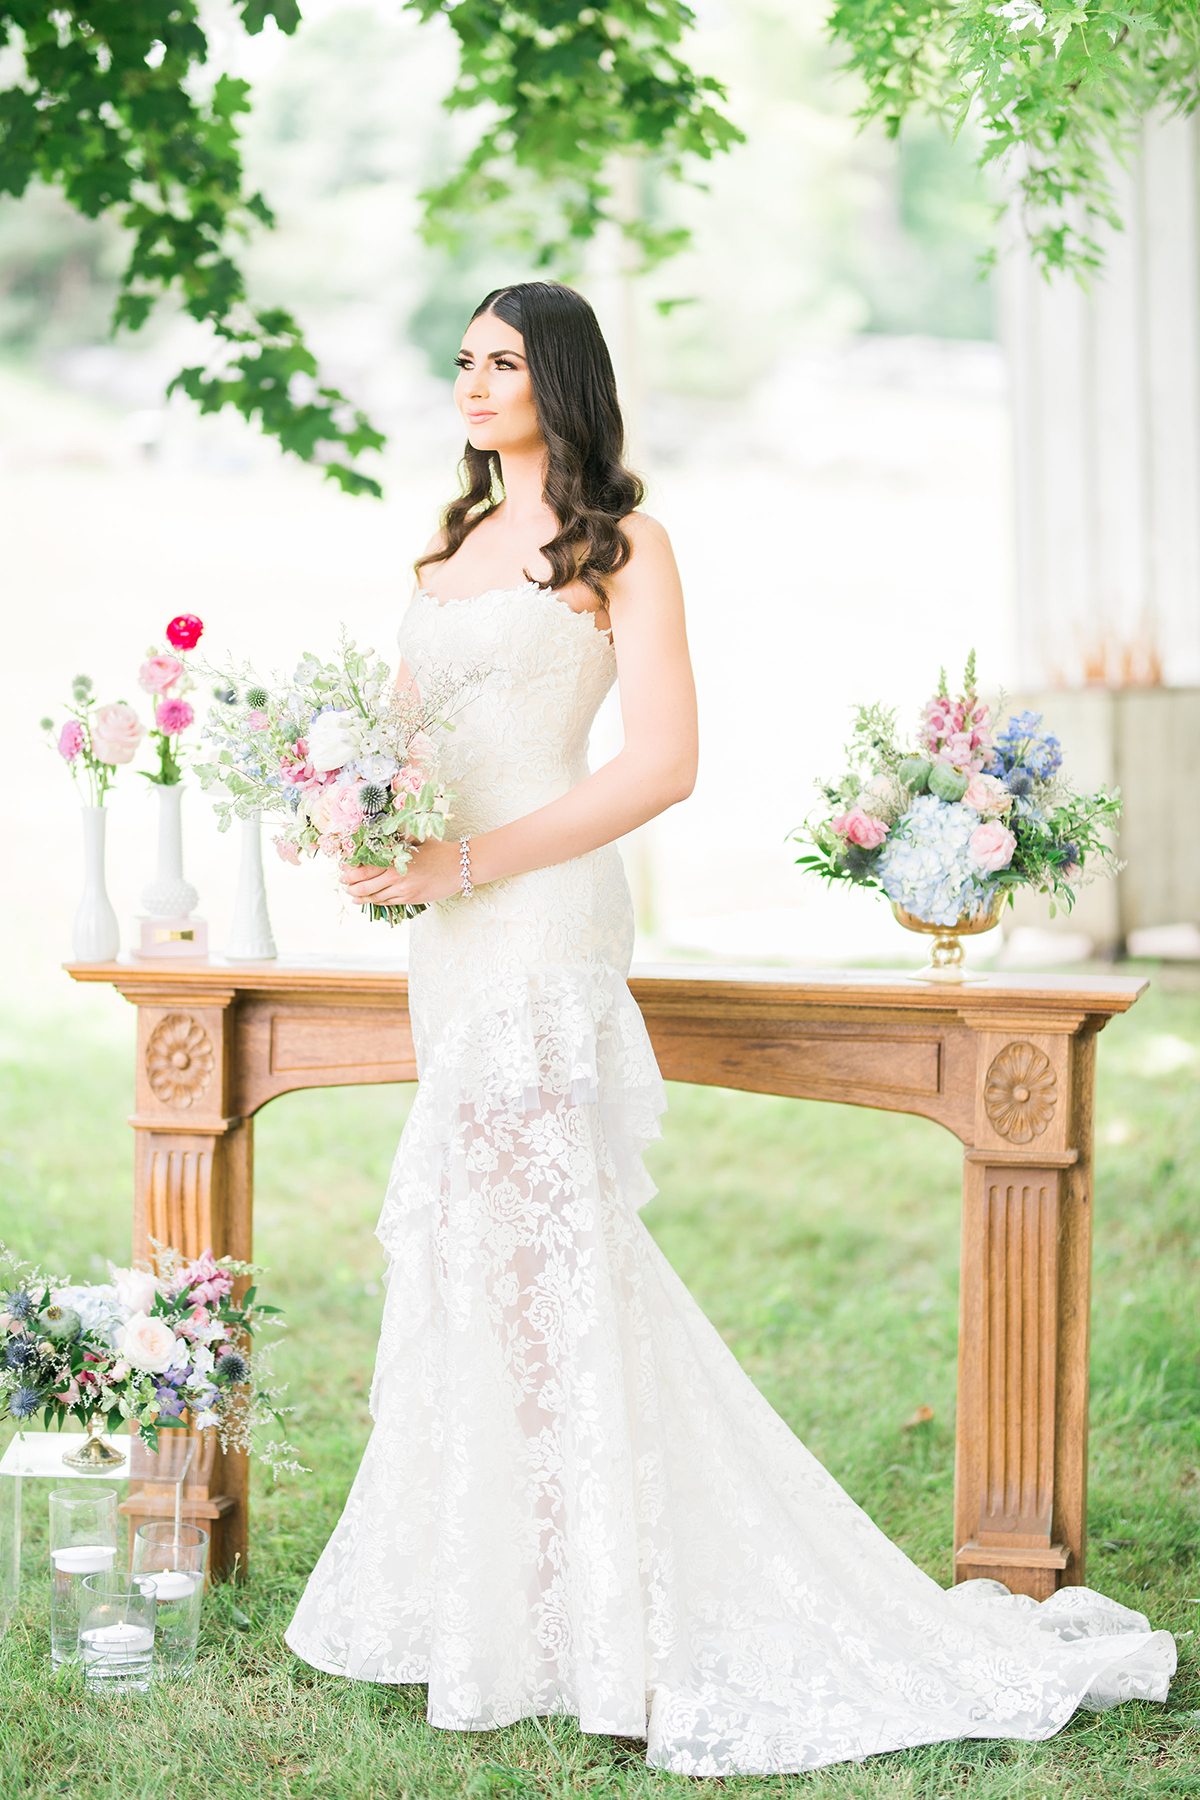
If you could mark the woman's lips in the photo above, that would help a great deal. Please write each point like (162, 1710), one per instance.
(479, 418)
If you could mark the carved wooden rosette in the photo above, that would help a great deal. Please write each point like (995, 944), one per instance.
(1020, 1487)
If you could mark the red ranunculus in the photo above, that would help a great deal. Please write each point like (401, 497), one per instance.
(185, 632)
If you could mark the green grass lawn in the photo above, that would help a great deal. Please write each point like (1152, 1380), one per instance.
(823, 1242)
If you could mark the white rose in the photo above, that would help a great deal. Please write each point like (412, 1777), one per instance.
(135, 1288)
(147, 1343)
(331, 741)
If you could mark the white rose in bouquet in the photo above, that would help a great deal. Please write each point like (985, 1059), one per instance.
(147, 1344)
(332, 741)
(135, 1288)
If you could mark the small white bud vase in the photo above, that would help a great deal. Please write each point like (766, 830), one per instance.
(170, 929)
(95, 936)
(250, 938)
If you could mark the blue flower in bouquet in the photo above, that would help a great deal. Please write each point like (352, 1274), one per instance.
(100, 1312)
(18, 1304)
(20, 1353)
(1024, 746)
(926, 866)
(23, 1402)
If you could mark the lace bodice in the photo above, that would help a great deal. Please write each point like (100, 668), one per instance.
(574, 1499)
(522, 739)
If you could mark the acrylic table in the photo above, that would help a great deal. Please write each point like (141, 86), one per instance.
(1006, 1064)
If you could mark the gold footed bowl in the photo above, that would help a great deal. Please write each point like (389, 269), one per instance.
(946, 953)
(94, 1455)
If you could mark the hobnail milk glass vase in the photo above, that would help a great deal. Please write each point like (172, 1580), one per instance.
(95, 936)
(169, 896)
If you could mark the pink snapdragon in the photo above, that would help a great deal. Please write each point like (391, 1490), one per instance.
(71, 740)
(957, 732)
(858, 827)
(207, 1280)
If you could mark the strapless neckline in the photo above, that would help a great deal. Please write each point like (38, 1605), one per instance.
(529, 589)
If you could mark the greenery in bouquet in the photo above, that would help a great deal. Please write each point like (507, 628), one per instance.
(157, 1349)
(347, 760)
(165, 676)
(95, 740)
(966, 814)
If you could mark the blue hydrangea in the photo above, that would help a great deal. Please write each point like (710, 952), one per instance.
(925, 865)
(1024, 745)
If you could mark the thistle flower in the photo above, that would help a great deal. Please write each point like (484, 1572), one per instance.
(231, 1367)
(20, 1353)
(373, 799)
(257, 699)
(81, 687)
(23, 1402)
(18, 1304)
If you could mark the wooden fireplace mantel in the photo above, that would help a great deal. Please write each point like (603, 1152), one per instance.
(1007, 1065)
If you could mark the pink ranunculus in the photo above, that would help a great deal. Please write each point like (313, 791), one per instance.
(173, 716)
(287, 851)
(160, 672)
(987, 796)
(185, 632)
(116, 733)
(991, 845)
(858, 827)
(257, 721)
(338, 811)
(410, 780)
(71, 740)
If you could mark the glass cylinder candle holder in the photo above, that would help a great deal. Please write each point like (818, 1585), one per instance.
(175, 1558)
(116, 1632)
(83, 1541)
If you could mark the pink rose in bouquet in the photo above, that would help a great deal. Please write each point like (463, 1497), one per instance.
(987, 796)
(159, 672)
(858, 827)
(116, 733)
(338, 811)
(410, 780)
(991, 846)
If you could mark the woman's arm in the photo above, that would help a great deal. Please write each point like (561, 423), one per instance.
(656, 767)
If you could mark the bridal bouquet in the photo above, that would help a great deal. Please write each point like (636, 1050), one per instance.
(950, 825)
(348, 762)
(145, 1347)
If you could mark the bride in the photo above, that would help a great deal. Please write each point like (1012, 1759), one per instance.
(573, 1500)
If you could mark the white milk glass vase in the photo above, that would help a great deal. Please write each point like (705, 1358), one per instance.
(250, 937)
(170, 928)
(95, 936)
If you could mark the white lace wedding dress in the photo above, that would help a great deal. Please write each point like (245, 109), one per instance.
(573, 1499)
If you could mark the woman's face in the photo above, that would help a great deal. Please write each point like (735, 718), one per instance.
(493, 391)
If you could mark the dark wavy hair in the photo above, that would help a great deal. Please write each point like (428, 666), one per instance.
(587, 486)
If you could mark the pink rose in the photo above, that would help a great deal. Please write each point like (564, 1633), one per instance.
(116, 733)
(338, 811)
(173, 716)
(329, 844)
(71, 740)
(991, 845)
(158, 673)
(858, 827)
(421, 748)
(70, 1394)
(410, 780)
(987, 796)
(287, 851)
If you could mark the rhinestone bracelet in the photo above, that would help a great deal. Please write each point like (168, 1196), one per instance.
(464, 863)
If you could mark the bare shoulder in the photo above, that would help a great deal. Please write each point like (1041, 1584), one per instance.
(645, 532)
(436, 542)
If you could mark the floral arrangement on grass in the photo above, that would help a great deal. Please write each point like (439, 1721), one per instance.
(967, 814)
(349, 762)
(95, 740)
(166, 677)
(158, 1349)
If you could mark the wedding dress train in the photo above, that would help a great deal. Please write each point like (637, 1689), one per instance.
(574, 1500)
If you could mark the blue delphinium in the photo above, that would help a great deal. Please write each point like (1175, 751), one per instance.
(925, 865)
(1022, 745)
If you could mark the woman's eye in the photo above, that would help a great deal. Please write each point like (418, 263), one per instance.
(505, 365)
(462, 362)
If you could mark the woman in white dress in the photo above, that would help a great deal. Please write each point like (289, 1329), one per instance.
(574, 1500)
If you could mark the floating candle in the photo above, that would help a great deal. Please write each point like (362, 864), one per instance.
(84, 1559)
(123, 1640)
(173, 1584)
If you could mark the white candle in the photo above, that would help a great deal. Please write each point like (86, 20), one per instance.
(84, 1559)
(125, 1638)
(173, 1584)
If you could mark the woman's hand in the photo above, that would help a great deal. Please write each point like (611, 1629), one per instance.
(434, 873)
